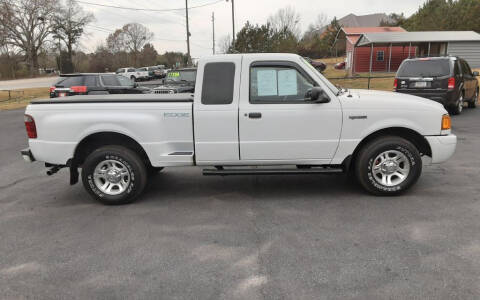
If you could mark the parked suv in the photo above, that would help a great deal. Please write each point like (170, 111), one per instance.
(448, 80)
(178, 81)
(94, 84)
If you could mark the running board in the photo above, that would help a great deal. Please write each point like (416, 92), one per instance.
(252, 171)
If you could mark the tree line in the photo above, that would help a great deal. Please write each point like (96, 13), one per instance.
(281, 32)
(45, 33)
(40, 34)
(439, 15)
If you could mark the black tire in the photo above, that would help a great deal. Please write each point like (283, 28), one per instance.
(473, 102)
(129, 161)
(364, 165)
(457, 108)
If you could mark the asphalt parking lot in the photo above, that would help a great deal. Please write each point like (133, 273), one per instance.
(194, 237)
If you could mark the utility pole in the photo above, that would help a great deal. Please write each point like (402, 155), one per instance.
(233, 21)
(188, 32)
(213, 27)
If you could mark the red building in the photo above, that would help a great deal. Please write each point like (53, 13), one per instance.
(385, 58)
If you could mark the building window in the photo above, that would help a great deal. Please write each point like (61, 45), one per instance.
(380, 55)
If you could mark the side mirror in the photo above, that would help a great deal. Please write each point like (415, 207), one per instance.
(318, 95)
(475, 73)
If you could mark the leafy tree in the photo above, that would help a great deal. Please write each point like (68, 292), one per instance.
(251, 39)
(170, 59)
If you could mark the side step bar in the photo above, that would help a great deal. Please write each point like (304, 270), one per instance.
(252, 171)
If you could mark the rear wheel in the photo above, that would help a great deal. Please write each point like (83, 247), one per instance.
(458, 107)
(388, 166)
(473, 102)
(114, 175)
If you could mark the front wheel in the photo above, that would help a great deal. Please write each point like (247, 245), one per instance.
(388, 166)
(114, 175)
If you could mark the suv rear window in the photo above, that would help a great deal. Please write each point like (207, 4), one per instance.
(67, 82)
(424, 68)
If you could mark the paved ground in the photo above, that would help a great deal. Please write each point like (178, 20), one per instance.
(193, 237)
(28, 83)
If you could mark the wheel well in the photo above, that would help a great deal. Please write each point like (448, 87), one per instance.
(410, 135)
(97, 140)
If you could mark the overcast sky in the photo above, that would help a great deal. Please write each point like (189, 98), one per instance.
(169, 27)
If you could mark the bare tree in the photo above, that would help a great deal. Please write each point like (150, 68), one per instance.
(27, 26)
(225, 44)
(115, 41)
(135, 36)
(317, 27)
(286, 19)
(68, 26)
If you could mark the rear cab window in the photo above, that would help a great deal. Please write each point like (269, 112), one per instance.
(425, 68)
(218, 83)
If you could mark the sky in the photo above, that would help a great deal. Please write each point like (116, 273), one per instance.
(170, 31)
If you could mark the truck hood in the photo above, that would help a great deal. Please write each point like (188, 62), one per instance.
(388, 100)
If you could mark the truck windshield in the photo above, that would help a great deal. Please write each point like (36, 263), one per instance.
(182, 76)
(330, 86)
(424, 68)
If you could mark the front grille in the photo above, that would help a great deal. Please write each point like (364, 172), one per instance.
(164, 91)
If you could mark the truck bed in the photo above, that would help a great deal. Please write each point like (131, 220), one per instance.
(161, 124)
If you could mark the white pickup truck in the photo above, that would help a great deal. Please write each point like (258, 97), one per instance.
(251, 114)
(133, 74)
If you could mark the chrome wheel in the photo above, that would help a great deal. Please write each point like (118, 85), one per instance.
(111, 177)
(391, 168)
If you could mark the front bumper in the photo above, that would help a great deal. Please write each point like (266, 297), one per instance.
(27, 155)
(443, 147)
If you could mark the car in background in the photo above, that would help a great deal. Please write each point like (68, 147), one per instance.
(340, 66)
(94, 84)
(178, 81)
(133, 74)
(160, 72)
(448, 80)
(320, 66)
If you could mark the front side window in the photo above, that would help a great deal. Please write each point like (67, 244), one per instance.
(124, 81)
(278, 84)
(466, 68)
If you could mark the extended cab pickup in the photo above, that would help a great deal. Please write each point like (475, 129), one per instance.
(251, 114)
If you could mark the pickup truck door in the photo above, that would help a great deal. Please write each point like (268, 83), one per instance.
(277, 123)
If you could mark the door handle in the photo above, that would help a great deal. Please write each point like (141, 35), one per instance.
(255, 115)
